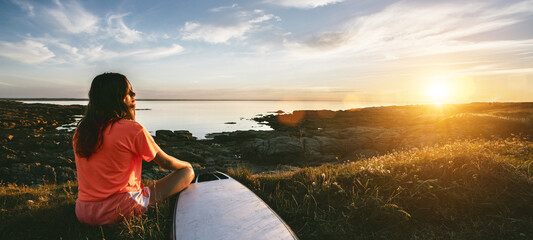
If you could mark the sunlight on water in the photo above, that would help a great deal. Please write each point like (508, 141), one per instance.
(203, 117)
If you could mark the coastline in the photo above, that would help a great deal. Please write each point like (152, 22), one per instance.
(34, 151)
(455, 171)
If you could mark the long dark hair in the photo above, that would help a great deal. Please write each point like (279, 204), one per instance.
(106, 106)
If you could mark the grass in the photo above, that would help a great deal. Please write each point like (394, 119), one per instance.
(47, 212)
(468, 189)
(471, 189)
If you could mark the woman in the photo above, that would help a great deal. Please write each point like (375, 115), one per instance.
(109, 146)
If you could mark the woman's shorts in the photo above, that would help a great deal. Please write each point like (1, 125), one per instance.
(114, 208)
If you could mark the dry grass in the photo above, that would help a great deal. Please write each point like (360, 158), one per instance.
(47, 212)
(472, 189)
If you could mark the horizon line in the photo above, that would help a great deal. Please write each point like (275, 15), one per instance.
(256, 100)
(168, 99)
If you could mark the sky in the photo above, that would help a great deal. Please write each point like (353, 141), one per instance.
(401, 52)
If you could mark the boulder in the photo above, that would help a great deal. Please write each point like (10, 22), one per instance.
(274, 150)
(164, 134)
(182, 135)
(330, 145)
(241, 136)
(356, 142)
(188, 156)
(312, 149)
(219, 137)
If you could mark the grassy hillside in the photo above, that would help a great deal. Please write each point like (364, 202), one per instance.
(471, 189)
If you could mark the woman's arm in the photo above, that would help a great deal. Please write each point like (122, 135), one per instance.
(170, 163)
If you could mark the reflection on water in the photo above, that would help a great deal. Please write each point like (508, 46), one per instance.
(203, 117)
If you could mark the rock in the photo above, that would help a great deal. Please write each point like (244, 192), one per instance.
(356, 142)
(5, 175)
(182, 135)
(161, 142)
(61, 161)
(330, 145)
(10, 158)
(164, 134)
(20, 173)
(42, 173)
(222, 138)
(179, 135)
(189, 156)
(361, 153)
(69, 153)
(250, 134)
(312, 149)
(289, 168)
(275, 150)
(285, 149)
(34, 156)
(65, 174)
(240, 136)
(210, 162)
(213, 135)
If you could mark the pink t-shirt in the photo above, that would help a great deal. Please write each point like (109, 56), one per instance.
(116, 166)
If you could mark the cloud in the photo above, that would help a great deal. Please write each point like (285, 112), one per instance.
(26, 51)
(264, 18)
(122, 33)
(156, 53)
(212, 33)
(64, 52)
(220, 9)
(26, 6)
(98, 53)
(405, 29)
(72, 17)
(304, 4)
(57, 51)
(327, 40)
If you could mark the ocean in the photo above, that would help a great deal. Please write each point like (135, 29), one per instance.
(204, 117)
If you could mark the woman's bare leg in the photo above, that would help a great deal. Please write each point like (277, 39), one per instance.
(171, 184)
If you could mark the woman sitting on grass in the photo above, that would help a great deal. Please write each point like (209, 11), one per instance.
(109, 146)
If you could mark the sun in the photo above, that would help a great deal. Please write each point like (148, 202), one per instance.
(438, 91)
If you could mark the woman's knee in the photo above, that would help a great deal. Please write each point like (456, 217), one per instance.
(188, 174)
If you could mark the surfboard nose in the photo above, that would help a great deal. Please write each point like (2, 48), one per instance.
(217, 206)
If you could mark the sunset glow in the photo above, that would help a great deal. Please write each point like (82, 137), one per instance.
(438, 91)
(341, 50)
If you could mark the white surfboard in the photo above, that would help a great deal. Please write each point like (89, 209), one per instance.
(216, 206)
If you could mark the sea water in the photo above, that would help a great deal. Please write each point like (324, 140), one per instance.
(203, 117)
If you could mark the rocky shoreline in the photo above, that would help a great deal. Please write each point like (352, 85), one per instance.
(33, 151)
(36, 151)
